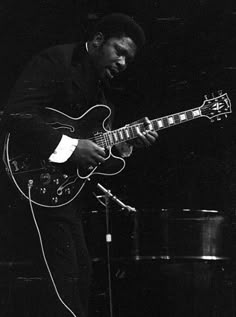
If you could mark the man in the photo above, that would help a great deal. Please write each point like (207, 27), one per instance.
(69, 78)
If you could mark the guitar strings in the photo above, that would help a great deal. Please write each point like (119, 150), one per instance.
(104, 140)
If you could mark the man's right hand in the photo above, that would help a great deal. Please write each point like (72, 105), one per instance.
(88, 153)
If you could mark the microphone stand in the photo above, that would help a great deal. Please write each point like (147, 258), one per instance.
(113, 197)
(108, 195)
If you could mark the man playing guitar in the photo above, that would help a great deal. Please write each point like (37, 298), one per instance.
(65, 79)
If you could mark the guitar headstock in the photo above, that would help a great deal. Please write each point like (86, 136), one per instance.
(216, 106)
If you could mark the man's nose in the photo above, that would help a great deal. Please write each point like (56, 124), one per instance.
(122, 63)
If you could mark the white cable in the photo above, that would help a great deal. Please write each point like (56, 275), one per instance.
(30, 184)
(99, 199)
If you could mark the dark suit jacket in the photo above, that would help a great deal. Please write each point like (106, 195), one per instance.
(61, 77)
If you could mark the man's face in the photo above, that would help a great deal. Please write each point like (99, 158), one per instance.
(113, 56)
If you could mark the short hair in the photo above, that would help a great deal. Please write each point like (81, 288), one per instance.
(118, 25)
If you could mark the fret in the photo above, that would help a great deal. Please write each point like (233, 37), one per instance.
(99, 139)
(103, 141)
(189, 114)
(177, 118)
(137, 128)
(151, 126)
(183, 116)
(153, 122)
(160, 123)
(196, 113)
(171, 120)
(120, 132)
(126, 130)
(115, 135)
(133, 132)
(110, 138)
(106, 140)
(165, 122)
(155, 125)
(100, 142)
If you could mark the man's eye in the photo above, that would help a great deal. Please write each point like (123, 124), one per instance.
(119, 52)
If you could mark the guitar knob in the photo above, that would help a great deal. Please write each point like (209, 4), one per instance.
(56, 181)
(68, 191)
(43, 190)
(55, 200)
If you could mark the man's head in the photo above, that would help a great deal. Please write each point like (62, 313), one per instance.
(113, 44)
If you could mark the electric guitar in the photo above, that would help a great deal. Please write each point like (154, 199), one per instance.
(54, 185)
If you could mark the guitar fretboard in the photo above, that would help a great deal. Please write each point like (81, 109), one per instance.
(130, 132)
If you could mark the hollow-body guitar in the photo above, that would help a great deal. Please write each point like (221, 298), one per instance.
(54, 185)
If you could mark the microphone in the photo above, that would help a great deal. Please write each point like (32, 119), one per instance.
(114, 198)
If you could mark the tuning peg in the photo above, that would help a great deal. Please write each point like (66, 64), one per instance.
(213, 95)
(226, 116)
(205, 96)
(218, 118)
(220, 92)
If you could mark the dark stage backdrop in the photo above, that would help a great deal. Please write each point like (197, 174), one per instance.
(190, 52)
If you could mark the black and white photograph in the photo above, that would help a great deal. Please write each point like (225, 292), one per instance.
(118, 158)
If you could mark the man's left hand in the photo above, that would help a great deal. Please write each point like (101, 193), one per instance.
(145, 138)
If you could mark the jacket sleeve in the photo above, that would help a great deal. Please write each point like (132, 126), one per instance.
(35, 89)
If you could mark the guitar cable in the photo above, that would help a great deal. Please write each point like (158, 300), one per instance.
(30, 185)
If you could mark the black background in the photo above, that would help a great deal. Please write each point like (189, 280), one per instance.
(190, 53)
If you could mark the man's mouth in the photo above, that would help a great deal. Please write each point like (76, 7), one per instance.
(111, 72)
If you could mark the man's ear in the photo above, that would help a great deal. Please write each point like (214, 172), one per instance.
(98, 39)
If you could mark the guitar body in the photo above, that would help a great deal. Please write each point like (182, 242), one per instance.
(54, 184)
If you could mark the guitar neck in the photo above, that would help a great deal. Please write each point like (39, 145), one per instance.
(130, 132)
